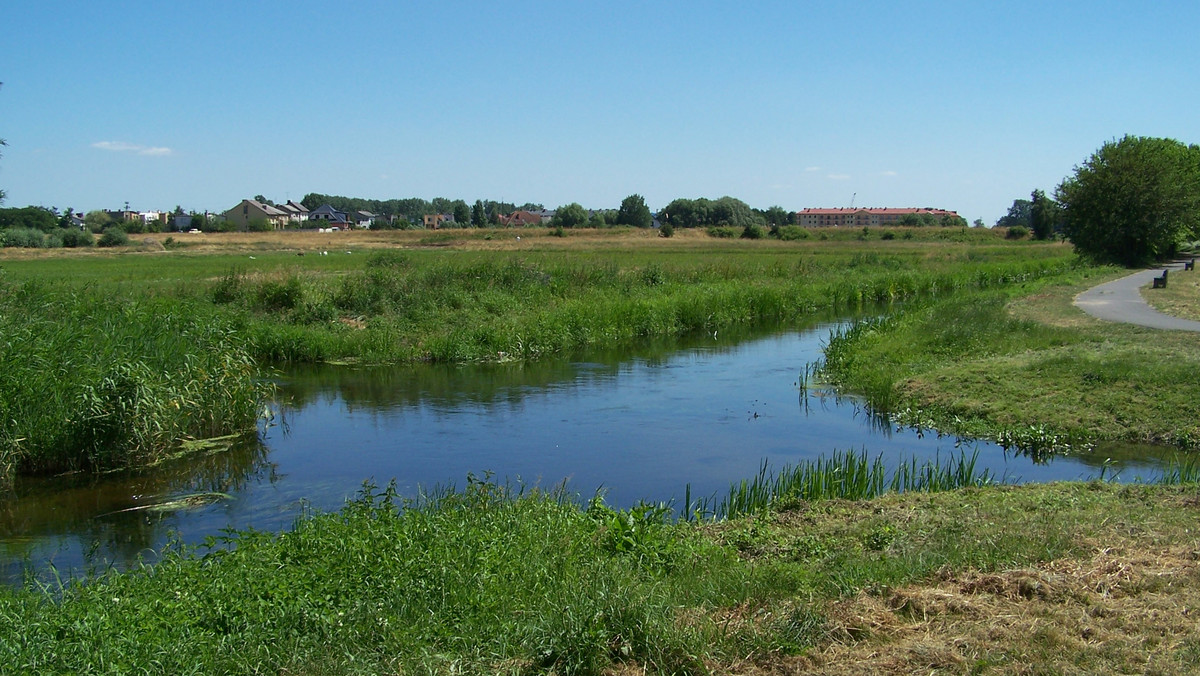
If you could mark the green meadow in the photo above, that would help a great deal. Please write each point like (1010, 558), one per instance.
(111, 360)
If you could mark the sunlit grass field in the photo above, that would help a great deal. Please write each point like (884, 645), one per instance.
(806, 569)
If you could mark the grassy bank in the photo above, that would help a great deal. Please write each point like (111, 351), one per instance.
(1023, 366)
(490, 579)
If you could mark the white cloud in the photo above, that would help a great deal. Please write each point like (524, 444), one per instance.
(123, 147)
(812, 168)
(889, 172)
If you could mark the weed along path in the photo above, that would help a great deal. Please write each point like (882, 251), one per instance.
(1121, 301)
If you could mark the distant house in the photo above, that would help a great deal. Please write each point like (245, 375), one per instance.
(330, 215)
(296, 213)
(518, 219)
(181, 222)
(123, 216)
(363, 219)
(547, 215)
(863, 217)
(435, 221)
(252, 210)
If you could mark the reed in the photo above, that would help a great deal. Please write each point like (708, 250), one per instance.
(845, 475)
(468, 308)
(91, 382)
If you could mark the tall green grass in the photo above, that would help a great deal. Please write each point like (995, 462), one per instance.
(479, 580)
(93, 382)
(470, 308)
(846, 475)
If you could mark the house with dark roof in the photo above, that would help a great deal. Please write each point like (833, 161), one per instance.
(253, 210)
(296, 213)
(363, 219)
(330, 215)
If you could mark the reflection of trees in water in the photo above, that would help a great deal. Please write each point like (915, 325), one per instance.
(89, 508)
(506, 384)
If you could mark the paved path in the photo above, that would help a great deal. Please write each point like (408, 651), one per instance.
(1120, 301)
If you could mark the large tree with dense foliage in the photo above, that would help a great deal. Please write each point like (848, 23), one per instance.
(702, 213)
(570, 216)
(634, 212)
(33, 218)
(1020, 213)
(1133, 201)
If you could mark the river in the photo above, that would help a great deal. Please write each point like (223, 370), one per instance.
(707, 410)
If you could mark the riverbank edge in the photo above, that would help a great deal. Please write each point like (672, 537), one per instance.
(1082, 575)
(1072, 388)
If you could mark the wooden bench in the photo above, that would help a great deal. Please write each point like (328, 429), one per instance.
(1189, 265)
(1160, 282)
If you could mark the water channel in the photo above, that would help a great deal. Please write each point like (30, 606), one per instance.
(706, 411)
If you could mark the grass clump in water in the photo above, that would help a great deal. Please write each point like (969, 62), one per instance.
(89, 382)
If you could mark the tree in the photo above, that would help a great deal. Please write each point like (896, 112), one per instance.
(1018, 214)
(569, 216)
(1042, 215)
(1133, 201)
(462, 213)
(978, 223)
(634, 212)
(478, 215)
(777, 216)
(33, 218)
(96, 220)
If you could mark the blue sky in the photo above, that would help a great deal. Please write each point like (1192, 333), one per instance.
(959, 105)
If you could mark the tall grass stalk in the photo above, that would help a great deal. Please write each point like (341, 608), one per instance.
(847, 475)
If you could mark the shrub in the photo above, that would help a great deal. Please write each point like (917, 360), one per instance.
(753, 231)
(787, 233)
(73, 237)
(1017, 232)
(721, 231)
(28, 238)
(666, 230)
(113, 236)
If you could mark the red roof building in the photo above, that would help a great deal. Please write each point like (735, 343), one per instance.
(861, 217)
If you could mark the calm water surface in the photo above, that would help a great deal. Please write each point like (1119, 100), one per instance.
(705, 411)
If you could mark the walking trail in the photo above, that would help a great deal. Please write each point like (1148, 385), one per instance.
(1120, 301)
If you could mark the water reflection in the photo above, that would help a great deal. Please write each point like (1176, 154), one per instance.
(90, 521)
(640, 425)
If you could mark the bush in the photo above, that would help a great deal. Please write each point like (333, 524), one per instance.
(113, 236)
(788, 233)
(73, 237)
(721, 231)
(28, 238)
(753, 231)
(1017, 232)
(666, 230)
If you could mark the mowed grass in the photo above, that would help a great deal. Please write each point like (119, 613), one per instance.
(1023, 366)
(1181, 297)
(496, 579)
